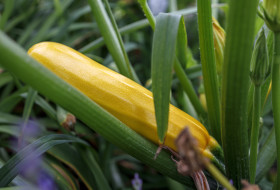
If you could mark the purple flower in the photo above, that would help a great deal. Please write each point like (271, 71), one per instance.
(28, 131)
(137, 182)
(231, 182)
(45, 181)
(31, 167)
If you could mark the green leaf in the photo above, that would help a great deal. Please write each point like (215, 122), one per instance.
(9, 119)
(18, 188)
(182, 44)
(28, 31)
(210, 79)
(49, 110)
(180, 72)
(65, 153)
(163, 57)
(72, 17)
(72, 158)
(266, 156)
(114, 23)
(124, 30)
(11, 169)
(48, 23)
(10, 129)
(9, 5)
(111, 38)
(95, 169)
(7, 90)
(8, 103)
(64, 178)
(14, 21)
(18, 180)
(29, 104)
(5, 78)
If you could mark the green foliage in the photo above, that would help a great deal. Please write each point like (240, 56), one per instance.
(100, 152)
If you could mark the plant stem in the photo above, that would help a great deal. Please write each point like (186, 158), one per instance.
(235, 85)
(276, 100)
(148, 13)
(209, 71)
(255, 132)
(219, 176)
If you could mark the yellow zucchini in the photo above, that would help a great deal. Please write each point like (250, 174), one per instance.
(128, 101)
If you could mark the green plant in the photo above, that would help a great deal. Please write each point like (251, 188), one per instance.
(180, 70)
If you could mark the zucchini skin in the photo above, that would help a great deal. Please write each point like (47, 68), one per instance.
(128, 101)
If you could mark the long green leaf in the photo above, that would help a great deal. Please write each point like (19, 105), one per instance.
(11, 169)
(5, 78)
(7, 90)
(73, 159)
(124, 30)
(18, 181)
(31, 96)
(64, 178)
(111, 38)
(47, 25)
(9, 129)
(210, 78)
(64, 153)
(115, 26)
(74, 16)
(11, 24)
(184, 80)
(163, 57)
(95, 169)
(18, 188)
(9, 5)
(267, 156)
(9, 119)
(28, 31)
(8, 103)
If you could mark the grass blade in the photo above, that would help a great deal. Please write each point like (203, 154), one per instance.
(11, 169)
(95, 169)
(9, 5)
(267, 156)
(48, 24)
(5, 78)
(209, 71)
(111, 38)
(8, 103)
(72, 158)
(163, 57)
(113, 21)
